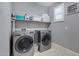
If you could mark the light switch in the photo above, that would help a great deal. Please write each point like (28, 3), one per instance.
(66, 27)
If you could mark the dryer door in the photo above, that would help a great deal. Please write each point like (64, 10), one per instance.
(24, 44)
(46, 39)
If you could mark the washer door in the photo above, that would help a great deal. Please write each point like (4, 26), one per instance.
(46, 39)
(24, 44)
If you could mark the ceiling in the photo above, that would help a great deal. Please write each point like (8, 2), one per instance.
(45, 4)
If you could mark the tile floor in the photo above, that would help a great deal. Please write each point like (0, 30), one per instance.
(56, 50)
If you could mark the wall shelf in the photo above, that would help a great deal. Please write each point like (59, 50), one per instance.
(32, 21)
(31, 24)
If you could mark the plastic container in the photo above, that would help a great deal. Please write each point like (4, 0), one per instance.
(37, 18)
(45, 18)
(19, 17)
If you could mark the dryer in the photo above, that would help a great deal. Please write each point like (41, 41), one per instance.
(44, 40)
(23, 43)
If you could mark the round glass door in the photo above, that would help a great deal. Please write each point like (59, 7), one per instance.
(24, 44)
(46, 39)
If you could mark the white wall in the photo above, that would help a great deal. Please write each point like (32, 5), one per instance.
(4, 28)
(67, 38)
(72, 22)
(51, 14)
(31, 8)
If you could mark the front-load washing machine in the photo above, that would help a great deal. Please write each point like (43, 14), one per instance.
(23, 43)
(44, 40)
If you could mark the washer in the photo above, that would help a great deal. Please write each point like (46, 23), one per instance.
(23, 43)
(44, 40)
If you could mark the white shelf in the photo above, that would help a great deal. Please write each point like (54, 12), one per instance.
(31, 24)
(32, 21)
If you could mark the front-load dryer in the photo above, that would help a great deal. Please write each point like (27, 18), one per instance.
(23, 43)
(44, 40)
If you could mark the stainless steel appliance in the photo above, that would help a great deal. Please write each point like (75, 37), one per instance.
(23, 43)
(43, 38)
